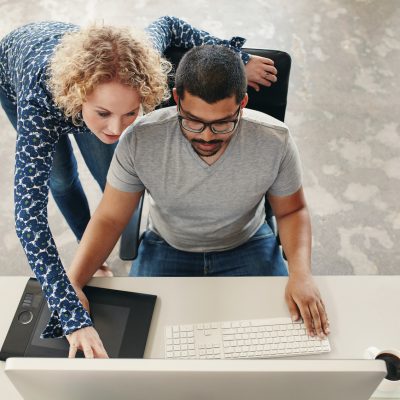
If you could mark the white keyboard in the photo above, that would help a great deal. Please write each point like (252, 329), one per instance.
(257, 338)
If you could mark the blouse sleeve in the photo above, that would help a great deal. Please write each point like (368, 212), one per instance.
(38, 133)
(168, 32)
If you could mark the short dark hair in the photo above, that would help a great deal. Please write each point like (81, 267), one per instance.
(212, 73)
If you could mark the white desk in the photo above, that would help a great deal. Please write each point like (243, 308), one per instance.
(363, 310)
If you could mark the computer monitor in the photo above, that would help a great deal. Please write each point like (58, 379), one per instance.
(153, 379)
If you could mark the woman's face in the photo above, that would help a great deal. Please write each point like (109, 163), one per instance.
(110, 109)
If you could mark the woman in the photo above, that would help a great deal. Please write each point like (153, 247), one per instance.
(57, 79)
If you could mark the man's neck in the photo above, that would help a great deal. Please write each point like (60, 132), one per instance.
(210, 160)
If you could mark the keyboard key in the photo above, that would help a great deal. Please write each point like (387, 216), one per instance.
(186, 328)
(168, 332)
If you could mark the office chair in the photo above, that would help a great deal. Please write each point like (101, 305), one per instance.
(270, 100)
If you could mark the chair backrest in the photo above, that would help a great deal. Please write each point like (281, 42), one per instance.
(270, 100)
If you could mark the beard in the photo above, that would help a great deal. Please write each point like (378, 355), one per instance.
(216, 143)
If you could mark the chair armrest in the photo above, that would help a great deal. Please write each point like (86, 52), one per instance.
(130, 240)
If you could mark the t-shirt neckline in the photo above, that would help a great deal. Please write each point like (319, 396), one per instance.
(200, 162)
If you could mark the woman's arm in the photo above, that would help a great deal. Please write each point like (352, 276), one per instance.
(38, 134)
(169, 31)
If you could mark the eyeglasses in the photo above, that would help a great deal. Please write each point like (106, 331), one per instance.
(197, 126)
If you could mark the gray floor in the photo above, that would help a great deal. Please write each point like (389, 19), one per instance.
(343, 112)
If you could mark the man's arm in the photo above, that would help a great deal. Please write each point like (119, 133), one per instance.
(101, 235)
(302, 295)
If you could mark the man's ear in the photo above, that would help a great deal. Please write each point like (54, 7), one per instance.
(175, 96)
(245, 100)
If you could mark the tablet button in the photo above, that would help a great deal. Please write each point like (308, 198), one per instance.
(25, 317)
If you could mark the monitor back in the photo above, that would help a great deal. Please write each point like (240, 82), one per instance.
(41, 379)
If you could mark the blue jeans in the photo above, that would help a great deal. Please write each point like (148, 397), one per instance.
(259, 256)
(65, 184)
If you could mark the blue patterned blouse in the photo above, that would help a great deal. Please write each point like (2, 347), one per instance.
(24, 57)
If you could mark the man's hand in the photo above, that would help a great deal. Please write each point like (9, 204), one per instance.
(82, 297)
(303, 299)
(260, 71)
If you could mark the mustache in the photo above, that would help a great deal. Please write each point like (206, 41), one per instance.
(214, 141)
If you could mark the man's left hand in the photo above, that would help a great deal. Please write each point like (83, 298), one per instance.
(304, 300)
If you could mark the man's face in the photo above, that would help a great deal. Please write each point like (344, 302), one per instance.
(196, 111)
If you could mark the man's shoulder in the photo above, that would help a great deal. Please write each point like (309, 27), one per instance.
(259, 119)
(145, 127)
(162, 116)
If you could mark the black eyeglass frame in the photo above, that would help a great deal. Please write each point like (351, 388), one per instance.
(205, 124)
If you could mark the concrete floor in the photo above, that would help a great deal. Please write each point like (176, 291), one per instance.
(343, 112)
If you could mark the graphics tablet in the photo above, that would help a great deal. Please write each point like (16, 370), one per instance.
(121, 318)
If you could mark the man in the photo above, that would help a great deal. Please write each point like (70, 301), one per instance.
(207, 166)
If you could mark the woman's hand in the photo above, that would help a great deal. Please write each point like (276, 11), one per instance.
(260, 71)
(85, 339)
(88, 340)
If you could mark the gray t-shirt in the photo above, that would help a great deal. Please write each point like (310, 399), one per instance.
(199, 207)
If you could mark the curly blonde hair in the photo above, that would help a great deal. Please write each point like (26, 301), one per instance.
(94, 55)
